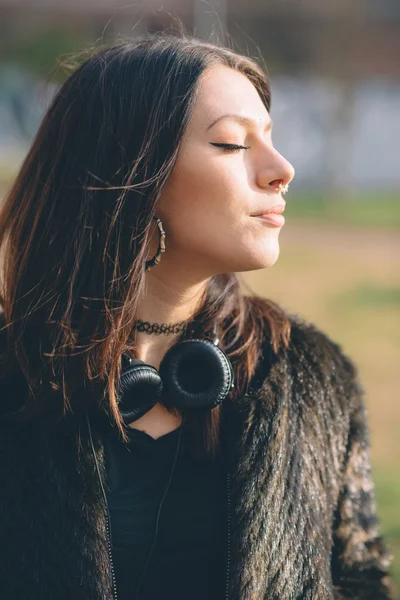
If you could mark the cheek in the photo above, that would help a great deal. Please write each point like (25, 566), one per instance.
(202, 228)
(206, 192)
(227, 244)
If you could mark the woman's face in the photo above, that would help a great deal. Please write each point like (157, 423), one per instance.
(208, 205)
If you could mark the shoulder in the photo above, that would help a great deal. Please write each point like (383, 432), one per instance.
(304, 350)
(300, 340)
(309, 340)
(312, 342)
(314, 355)
(296, 337)
(310, 359)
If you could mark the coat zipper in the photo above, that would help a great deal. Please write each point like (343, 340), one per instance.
(108, 520)
(228, 562)
(109, 547)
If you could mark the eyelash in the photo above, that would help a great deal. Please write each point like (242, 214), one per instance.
(230, 147)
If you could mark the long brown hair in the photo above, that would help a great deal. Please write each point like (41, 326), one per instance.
(75, 227)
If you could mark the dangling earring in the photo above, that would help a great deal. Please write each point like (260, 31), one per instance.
(161, 246)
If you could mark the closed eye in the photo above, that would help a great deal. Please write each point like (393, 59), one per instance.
(230, 147)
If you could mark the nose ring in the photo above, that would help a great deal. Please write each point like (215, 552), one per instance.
(283, 188)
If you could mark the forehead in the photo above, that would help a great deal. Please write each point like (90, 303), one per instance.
(224, 90)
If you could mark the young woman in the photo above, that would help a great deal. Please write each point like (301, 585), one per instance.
(162, 434)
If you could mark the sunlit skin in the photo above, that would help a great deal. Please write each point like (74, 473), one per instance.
(207, 209)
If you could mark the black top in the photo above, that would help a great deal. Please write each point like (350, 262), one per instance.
(189, 558)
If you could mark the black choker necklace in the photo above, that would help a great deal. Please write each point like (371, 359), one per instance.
(159, 328)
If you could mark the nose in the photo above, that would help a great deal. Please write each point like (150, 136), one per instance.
(278, 171)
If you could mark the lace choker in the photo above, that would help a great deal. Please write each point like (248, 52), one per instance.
(159, 328)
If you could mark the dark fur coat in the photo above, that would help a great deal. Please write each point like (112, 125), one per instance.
(304, 522)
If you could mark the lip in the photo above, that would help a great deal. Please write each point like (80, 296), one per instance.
(277, 209)
(273, 219)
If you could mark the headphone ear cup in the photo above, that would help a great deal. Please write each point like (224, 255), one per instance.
(140, 388)
(195, 374)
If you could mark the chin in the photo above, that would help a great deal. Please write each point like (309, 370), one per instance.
(267, 262)
(259, 261)
(268, 256)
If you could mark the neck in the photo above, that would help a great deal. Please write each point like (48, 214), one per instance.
(169, 303)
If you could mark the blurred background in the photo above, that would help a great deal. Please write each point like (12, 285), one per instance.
(335, 75)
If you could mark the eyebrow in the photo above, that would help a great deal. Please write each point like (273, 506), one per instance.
(242, 120)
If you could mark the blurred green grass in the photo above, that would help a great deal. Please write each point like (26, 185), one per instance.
(367, 209)
(369, 295)
(387, 491)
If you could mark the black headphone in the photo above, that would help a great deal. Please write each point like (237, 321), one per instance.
(193, 374)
